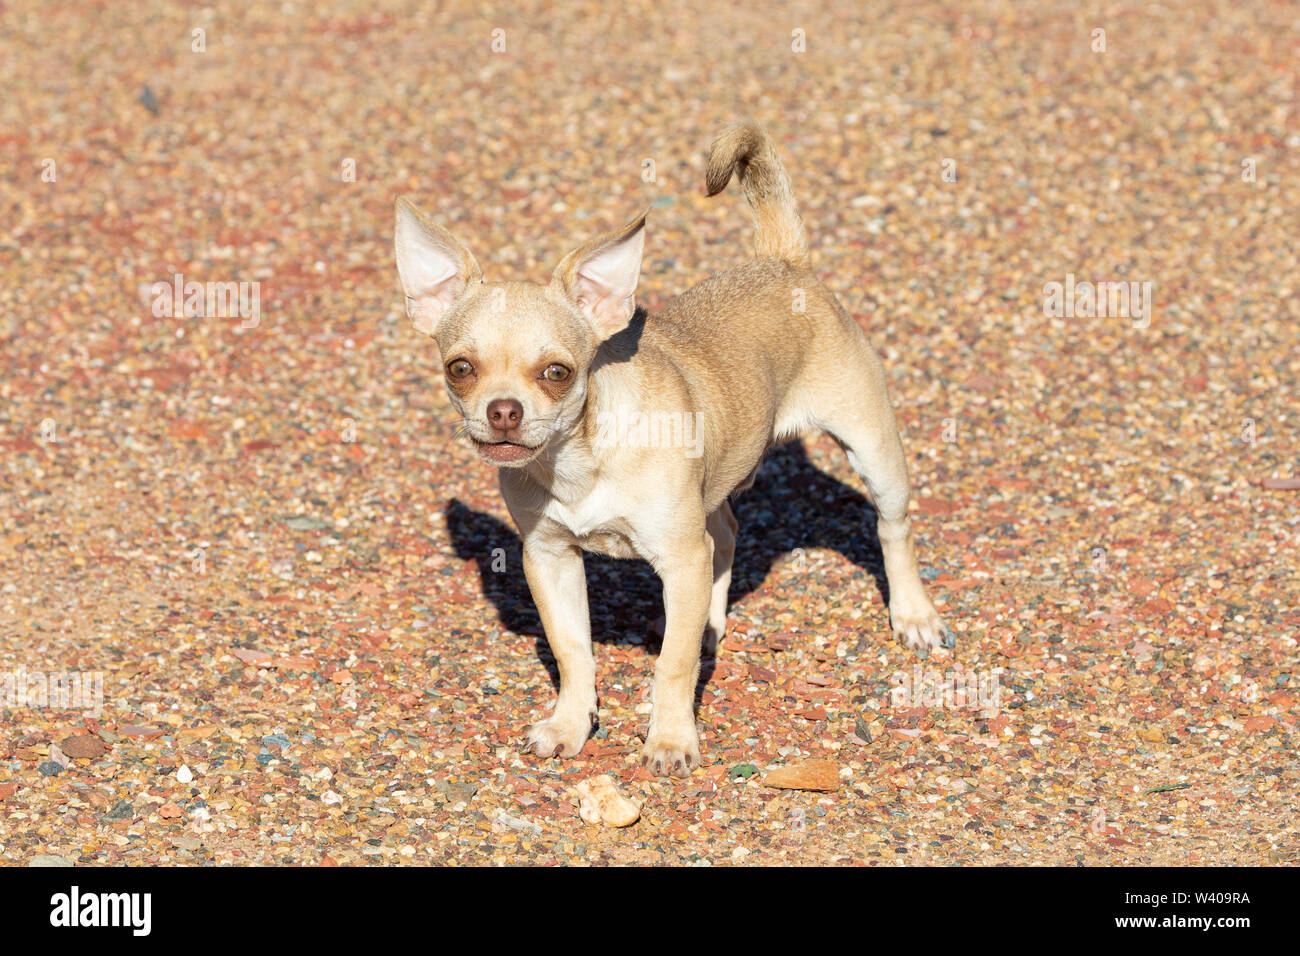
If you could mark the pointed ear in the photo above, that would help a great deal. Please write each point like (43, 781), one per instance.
(434, 267)
(600, 277)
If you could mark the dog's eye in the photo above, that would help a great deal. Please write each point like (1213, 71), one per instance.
(556, 373)
(459, 368)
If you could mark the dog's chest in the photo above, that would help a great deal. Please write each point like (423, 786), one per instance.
(595, 523)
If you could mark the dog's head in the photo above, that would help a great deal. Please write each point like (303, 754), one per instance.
(516, 354)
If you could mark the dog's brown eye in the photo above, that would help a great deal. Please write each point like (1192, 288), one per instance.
(459, 368)
(556, 373)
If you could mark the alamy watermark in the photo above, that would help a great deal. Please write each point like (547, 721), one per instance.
(60, 690)
(954, 689)
(637, 429)
(179, 299)
(75, 908)
(1088, 300)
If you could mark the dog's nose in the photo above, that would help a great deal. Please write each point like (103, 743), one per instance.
(504, 414)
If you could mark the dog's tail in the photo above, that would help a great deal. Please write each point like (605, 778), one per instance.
(746, 150)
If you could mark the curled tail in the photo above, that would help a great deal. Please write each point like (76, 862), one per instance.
(746, 150)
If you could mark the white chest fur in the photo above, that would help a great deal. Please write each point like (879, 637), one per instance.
(597, 522)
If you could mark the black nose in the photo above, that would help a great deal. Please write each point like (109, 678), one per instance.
(504, 414)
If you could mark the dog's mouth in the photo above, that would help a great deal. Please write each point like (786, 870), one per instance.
(506, 452)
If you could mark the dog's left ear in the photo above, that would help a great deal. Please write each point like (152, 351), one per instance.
(600, 277)
(434, 267)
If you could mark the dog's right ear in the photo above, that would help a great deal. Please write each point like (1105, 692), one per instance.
(434, 267)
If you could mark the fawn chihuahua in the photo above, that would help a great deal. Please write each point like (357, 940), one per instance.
(747, 358)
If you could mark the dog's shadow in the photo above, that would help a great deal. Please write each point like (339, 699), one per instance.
(792, 505)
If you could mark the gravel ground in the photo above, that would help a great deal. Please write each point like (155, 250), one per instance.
(304, 595)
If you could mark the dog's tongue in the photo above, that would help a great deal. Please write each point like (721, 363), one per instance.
(505, 451)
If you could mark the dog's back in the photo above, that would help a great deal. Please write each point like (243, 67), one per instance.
(750, 343)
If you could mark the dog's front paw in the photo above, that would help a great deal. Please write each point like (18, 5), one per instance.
(560, 735)
(920, 628)
(672, 755)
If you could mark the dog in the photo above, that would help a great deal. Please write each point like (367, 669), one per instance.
(542, 375)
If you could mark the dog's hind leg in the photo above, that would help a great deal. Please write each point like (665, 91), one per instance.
(722, 527)
(852, 404)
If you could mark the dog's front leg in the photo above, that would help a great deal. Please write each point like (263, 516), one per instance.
(559, 585)
(672, 744)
